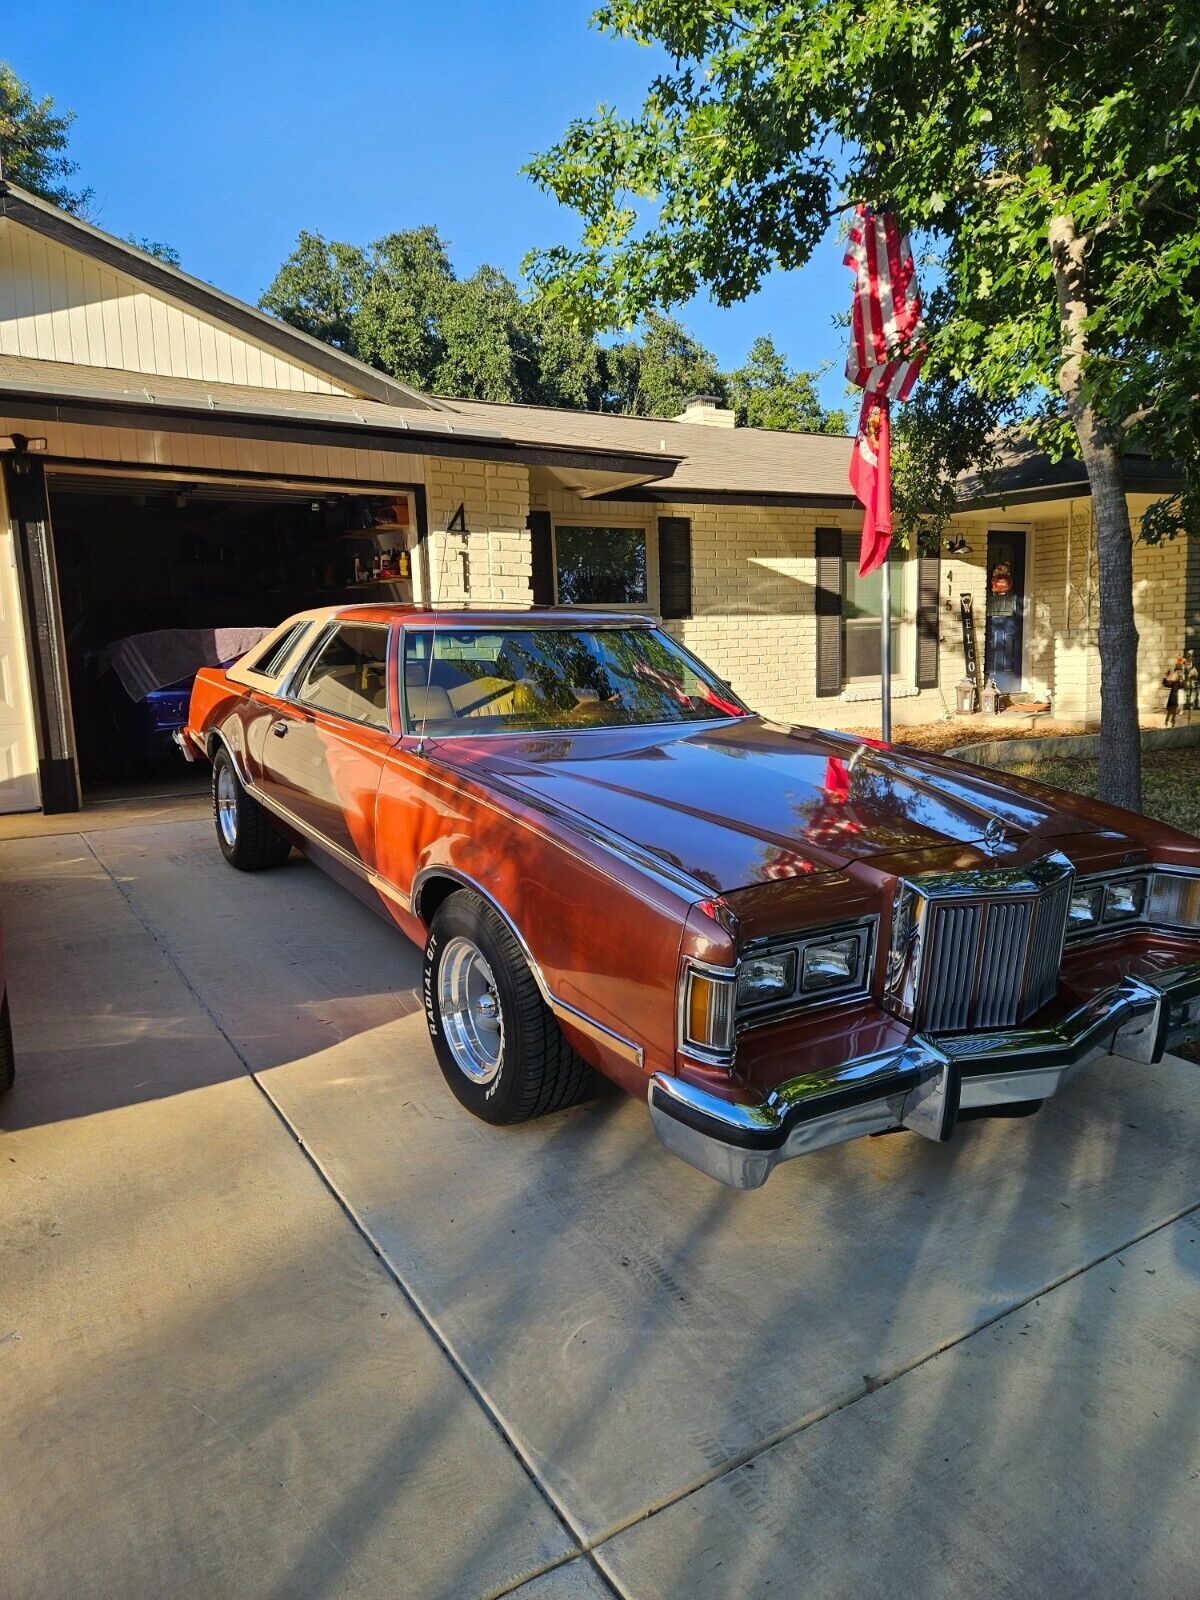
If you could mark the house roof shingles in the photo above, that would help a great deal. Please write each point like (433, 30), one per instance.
(758, 463)
(680, 460)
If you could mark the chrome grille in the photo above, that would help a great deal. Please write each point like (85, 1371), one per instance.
(950, 958)
(978, 949)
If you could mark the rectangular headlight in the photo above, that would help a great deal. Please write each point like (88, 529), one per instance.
(1124, 899)
(766, 978)
(830, 966)
(1086, 905)
(1175, 900)
(708, 1011)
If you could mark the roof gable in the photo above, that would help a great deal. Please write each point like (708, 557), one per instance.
(69, 292)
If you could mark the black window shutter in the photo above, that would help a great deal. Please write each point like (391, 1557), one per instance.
(541, 537)
(675, 566)
(928, 626)
(829, 611)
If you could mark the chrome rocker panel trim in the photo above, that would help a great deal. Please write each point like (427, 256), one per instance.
(924, 1086)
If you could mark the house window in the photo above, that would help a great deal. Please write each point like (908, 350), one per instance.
(597, 566)
(862, 607)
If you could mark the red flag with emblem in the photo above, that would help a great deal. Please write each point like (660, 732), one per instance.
(871, 480)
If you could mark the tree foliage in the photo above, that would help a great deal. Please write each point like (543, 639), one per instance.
(399, 305)
(33, 144)
(156, 248)
(655, 373)
(1048, 153)
(766, 393)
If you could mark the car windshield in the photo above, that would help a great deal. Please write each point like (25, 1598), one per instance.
(468, 680)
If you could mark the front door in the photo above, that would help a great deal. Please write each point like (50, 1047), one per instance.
(1005, 609)
(322, 754)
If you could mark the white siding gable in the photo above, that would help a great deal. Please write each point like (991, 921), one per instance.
(57, 304)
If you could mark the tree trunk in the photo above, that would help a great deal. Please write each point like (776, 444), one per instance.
(1120, 774)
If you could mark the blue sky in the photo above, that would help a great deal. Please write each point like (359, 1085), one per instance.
(224, 129)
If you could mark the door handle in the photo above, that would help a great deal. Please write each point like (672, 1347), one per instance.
(279, 729)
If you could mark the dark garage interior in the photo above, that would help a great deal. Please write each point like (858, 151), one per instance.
(159, 577)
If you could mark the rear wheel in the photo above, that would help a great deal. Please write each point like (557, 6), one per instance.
(496, 1040)
(248, 837)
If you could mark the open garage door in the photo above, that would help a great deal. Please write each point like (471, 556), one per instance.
(157, 577)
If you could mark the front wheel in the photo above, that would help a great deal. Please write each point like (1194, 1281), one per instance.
(248, 838)
(495, 1038)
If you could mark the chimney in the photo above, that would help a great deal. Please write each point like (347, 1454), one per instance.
(707, 410)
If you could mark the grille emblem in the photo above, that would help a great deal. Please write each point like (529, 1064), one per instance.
(995, 836)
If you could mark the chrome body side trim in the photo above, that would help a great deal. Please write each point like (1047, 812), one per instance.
(599, 1031)
(924, 1085)
(184, 743)
(351, 862)
(596, 1030)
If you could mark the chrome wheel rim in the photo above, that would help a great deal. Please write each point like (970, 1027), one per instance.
(227, 805)
(472, 1021)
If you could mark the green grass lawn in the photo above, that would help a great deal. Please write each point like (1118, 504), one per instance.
(1170, 781)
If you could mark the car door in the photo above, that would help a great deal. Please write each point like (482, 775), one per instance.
(326, 741)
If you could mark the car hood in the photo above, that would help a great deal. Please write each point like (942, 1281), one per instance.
(749, 801)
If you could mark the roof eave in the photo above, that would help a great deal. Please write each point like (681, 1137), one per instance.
(437, 436)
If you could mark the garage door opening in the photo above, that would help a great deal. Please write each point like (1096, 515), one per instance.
(157, 578)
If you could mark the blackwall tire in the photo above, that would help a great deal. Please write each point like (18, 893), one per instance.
(248, 838)
(504, 1056)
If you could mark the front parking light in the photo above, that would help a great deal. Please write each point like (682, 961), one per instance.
(708, 1010)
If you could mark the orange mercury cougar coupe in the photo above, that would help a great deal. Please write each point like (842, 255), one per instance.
(781, 937)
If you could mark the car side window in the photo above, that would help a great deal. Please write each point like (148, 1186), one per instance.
(348, 675)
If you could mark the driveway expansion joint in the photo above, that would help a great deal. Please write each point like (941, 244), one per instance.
(591, 1547)
(359, 1225)
(874, 1384)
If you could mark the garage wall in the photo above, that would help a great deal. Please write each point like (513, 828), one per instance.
(19, 789)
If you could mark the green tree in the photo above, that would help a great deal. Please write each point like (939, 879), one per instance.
(561, 362)
(766, 393)
(656, 372)
(405, 282)
(33, 144)
(1049, 150)
(156, 247)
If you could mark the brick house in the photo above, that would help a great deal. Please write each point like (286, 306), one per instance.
(173, 458)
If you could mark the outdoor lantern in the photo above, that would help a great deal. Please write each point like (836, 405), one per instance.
(966, 697)
(957, 546)
(991, 698)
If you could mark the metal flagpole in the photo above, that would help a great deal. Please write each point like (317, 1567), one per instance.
(885, 649)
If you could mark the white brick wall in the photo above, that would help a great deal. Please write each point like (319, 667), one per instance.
(495, 501)
(754, 597)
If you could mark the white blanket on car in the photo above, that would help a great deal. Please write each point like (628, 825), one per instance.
(148, 661)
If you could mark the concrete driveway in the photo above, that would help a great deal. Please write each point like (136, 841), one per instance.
(277, 1319)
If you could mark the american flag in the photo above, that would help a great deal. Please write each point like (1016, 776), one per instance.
(885, 356)
(885, 326)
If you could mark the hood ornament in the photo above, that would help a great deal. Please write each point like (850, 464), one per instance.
(995, 836)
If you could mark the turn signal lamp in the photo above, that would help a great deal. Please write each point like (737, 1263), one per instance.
(708, 1011)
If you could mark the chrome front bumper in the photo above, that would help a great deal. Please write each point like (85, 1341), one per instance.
(924, 1086)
